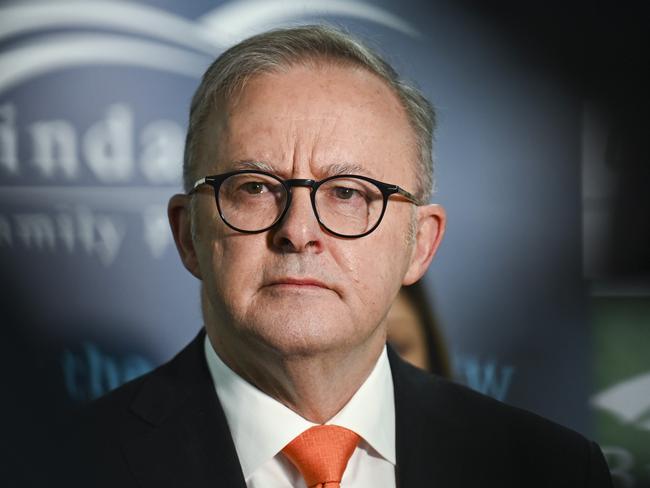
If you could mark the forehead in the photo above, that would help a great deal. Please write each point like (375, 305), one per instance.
(307, 118)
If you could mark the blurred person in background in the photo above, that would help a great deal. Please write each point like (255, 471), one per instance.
(414, 333)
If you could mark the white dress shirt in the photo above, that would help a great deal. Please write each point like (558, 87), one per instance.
(261, 426)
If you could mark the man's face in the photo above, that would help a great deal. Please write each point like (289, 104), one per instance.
(297, 289)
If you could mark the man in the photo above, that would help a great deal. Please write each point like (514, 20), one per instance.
(307, 174)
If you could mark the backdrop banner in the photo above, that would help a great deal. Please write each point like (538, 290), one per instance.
(94, 99)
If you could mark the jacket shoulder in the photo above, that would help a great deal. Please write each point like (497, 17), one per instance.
(444, 419)
(150, 405)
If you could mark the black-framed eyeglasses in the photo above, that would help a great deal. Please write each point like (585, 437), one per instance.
(252, 201)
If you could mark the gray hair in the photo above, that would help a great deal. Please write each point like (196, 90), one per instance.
(282, 48)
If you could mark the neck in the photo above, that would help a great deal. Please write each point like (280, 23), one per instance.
(316, 386)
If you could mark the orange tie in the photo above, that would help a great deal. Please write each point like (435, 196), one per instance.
(321, 454)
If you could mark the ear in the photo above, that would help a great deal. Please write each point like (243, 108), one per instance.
(431, 221)
(180, 220)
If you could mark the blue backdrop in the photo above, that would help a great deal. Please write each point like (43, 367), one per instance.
(94, 98)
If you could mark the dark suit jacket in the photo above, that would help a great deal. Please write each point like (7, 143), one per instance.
(167, 429)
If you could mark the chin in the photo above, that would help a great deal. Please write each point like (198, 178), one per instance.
(302, 334)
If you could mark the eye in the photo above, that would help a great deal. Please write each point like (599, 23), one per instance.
(345, 193)
(254, 187)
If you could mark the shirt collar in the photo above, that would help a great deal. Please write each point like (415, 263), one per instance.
(261, 426)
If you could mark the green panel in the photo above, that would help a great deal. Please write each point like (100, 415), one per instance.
(622, 400)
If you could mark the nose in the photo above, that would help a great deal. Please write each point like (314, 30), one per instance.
(299, 230)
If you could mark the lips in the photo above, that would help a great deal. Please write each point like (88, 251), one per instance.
(298, 282)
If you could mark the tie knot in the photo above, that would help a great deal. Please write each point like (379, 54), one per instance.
(321, 453)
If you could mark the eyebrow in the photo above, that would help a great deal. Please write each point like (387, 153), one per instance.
(344, 169)
(258, 165)
(334, 169)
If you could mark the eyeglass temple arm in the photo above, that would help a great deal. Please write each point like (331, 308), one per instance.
(407, 195)
(196, 185)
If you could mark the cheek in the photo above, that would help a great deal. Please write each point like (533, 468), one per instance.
(235, 260)
(233, 269)
(374, 269)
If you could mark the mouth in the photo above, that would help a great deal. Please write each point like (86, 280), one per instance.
(290, 283)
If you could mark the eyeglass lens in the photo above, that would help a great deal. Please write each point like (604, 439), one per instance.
(345, 205)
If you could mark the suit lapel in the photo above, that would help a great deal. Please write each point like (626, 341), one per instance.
(426, 441)
(184, 439)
